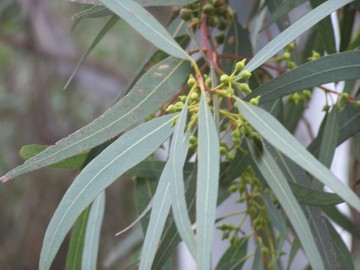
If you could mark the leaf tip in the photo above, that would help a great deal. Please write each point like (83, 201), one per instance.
(5, 178)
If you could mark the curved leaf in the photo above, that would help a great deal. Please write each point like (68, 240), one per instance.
(91, 245)
(147, 26)
(331, 68)
(295, 30)
(207, 184)
(179, 148)
(115, 160)
(280, 138)
(280, 187)
(154, 88)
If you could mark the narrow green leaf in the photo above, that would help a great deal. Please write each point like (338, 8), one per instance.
(295, 30)
(258, 263)
(109, 24)
(75, 252)
(234, 257)
(295, 247)
(280, 138)
(92, 237)
(147, 26)
(154, 88)
(345, 260)
(280, 187)
(331, 68)
(75, 162)
(115, 160)
(207, 184)
(310, 196)
(179, 148)
(92, 12)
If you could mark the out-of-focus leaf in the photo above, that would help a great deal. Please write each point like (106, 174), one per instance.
(326, 31)
(124, 247)
(207, 184)
(154, 88)
(331, 68)
(295, 30)
(236, 42)
(103, 170)
(234, 257)
(75, 252)
(147, 26)
(342, 251)
(258, 263)
(309, 196)
(92, 237)
(92, 12)
(280, 138)
(280, 187)
(109, 24)
(295, 247)
(179, 148)
(75, 162)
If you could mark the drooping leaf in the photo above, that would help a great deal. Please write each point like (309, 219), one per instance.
(280, 187)
(179, 148)
(92, 237)
(115, 160)
(207, 184)
(75, 252)
(147, 26)
(331, 68)
(295, 30)
(75, 162)
(154, 88)
(280, 138)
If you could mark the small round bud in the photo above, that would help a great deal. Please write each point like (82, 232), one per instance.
(326, 108)
(235, 134)
(182, 98)
(171, 108)
(194, 96)
(240, 65)
(208, 9)
(307, 94)
(245, 88)
(185, 14)
(255, 101)
(245, 74)
(191, 81)
(208, 82)
(230, 92)
(357, 103)
(192, 139)
(344, 96)
(291, 65)
(212, 21)
(223, 150)
(286, 55)
(179, 105)
(224, 78)
(291, 46)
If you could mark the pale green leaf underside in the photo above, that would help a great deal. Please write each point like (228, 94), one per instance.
(114, 161)
(280, 138)
(153, 89)
(331, 68)
(207, 184)
(293, 31)
(147, 26)
(178, 150)
(279, 185)
(92, 236)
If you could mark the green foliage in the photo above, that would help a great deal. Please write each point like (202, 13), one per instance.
(224, 111)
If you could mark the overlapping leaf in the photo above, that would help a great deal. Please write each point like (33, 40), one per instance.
(295, 30)
(147, 26)
(281, 139)
(280, 187)
(331, 68)
(207, 184)
(115, 160)
(154, 88)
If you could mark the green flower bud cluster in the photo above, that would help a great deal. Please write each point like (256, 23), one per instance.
(315, 55)
(232, 232)
(193, 142)
(301, 97)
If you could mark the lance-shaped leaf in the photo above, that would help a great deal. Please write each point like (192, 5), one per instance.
(154, 88)
(179, 148)
(331, 68)
(207, 184)
(92, 237)
(293, 31)
(234, 257)
(147, 26)
(270, 128)
(280, 187)
(115, 160)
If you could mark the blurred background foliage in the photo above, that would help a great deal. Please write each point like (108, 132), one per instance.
(38, 53)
